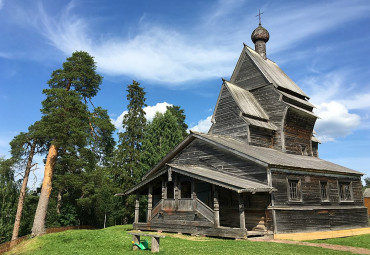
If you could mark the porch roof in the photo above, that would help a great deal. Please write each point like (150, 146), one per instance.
(209, 175)
(225, 180)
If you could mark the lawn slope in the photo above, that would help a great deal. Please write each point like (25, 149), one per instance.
(115, 240)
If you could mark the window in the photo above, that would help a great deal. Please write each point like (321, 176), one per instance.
(294, 190)
(345, 191)
(324, 191)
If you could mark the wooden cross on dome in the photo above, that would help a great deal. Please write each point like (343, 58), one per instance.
(259, 15)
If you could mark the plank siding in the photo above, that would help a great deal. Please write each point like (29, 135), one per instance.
(201, 153)
(248, 76)
(310, 190)
(227, 119)
(289, 221)
(268, 98)
(298, 132)
(261, 137)
(312, 214)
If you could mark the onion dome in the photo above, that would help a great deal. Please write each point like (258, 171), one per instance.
(260, 33)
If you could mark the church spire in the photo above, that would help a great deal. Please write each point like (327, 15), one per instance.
(260, 37)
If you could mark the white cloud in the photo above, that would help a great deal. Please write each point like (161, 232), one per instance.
(335, 121)
(150, 112)
(360, 101)
(203, 125)
(173, 55)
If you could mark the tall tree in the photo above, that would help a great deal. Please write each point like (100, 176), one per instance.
(23, 148)
(367, 182)
(180, 116)
(161, 136)
(134, 121)
(8, 198)
(64, 118)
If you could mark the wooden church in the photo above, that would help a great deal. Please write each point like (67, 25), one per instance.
(257, 171)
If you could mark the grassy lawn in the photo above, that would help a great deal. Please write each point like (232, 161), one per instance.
(362, 241)
(115, 240)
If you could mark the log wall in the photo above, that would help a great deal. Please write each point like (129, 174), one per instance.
(298, 132)
(313, 214)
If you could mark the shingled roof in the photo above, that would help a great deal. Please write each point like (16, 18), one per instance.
(263, 156)
(274, 158)
(273, 72)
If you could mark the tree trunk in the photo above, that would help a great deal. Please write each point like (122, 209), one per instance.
(38, 227)
(22, 194)
(105, 217)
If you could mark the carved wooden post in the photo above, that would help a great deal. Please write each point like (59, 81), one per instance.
(216, 207)
(164, 191)
(150, 202)
(137, 206)
(194, 194)
(241, 211)
(176, 192)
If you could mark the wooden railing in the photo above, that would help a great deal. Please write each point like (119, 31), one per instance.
(185, 204)
(205, 210)
(169, 204)
(157, 208)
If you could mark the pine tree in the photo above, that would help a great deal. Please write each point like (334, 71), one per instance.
(130, 141)
(65, 118)
(161, 136)
(8, 198)
(23, 148)
(180, 116)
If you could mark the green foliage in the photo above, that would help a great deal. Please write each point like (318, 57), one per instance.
(129, 148)
(180, 116)
(116, 240)
(161, 136)
(8, 199)
(79, 72)
(367, 182)
(65, 118)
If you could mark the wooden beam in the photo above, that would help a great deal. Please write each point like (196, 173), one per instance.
(150, 202)
(241, 212)
(194, 193)
(176, 192)
(216, 207)
(137, 206)
(170, 174)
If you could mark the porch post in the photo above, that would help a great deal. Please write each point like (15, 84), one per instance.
(164, 191)
(216, 207)
(137, 206)
(241, 211)
(176, 192)
(150, 202)
(194, 194)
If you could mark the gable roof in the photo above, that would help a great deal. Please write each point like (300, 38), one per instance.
(263, 156)
(210, 175)
(246, 101)
(273, 72)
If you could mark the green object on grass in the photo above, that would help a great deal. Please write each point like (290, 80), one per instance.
(143, 245)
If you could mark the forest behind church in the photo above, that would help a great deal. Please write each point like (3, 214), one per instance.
(85, 166)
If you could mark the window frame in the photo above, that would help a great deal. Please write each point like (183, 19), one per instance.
(340, 190)
(298, 198)
(327, 199)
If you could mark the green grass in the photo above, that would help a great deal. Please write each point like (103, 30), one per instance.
(361, 241)
(115, 240)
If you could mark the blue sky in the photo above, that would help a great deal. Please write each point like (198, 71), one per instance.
(179, 50)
